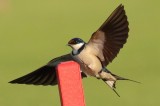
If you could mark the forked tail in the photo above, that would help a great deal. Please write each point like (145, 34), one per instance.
(112, 83)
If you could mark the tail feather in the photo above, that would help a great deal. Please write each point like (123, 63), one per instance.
(118, 77)
(111, 84)
(112, 78)
(121, 78)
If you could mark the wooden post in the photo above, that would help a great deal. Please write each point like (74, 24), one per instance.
(70, 84)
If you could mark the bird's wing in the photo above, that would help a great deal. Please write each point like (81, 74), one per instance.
(111, 36)
(45, 75)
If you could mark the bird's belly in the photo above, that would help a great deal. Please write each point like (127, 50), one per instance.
(91, 63)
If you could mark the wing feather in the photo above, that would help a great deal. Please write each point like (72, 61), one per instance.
(111, 36)
(45, 75)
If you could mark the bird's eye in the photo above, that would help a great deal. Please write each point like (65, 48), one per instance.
(75, 42)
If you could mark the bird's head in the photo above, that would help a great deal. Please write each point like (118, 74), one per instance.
(76, 43)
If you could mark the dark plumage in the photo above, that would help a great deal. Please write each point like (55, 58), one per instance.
(46, 75)
(113, 33)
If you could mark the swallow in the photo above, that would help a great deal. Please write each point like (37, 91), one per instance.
(92, 56)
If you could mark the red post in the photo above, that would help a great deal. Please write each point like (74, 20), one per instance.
(70, 84)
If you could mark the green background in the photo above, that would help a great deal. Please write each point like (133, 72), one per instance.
(32, 32)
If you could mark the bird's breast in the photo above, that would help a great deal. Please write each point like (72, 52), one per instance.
(90, 60)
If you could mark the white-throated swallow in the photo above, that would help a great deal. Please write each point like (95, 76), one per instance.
(92, 56)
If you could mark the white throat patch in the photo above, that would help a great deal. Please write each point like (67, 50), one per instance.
(77, 46)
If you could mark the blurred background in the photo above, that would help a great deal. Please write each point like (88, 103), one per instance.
(32, 32)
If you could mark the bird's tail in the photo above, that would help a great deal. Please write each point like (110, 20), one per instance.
(111, 82)
(121, 78)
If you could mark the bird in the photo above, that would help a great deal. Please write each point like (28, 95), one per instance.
(92, 56)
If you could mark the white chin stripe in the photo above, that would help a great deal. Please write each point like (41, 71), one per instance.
(77, 46)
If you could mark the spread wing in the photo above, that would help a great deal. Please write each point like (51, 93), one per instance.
(111, 36)
(45, 75)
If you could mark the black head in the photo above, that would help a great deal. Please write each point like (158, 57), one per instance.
(75, 41)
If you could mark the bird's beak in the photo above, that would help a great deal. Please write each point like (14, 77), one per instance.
(68, 45)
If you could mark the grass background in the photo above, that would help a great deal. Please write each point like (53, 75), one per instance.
(34, 31)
